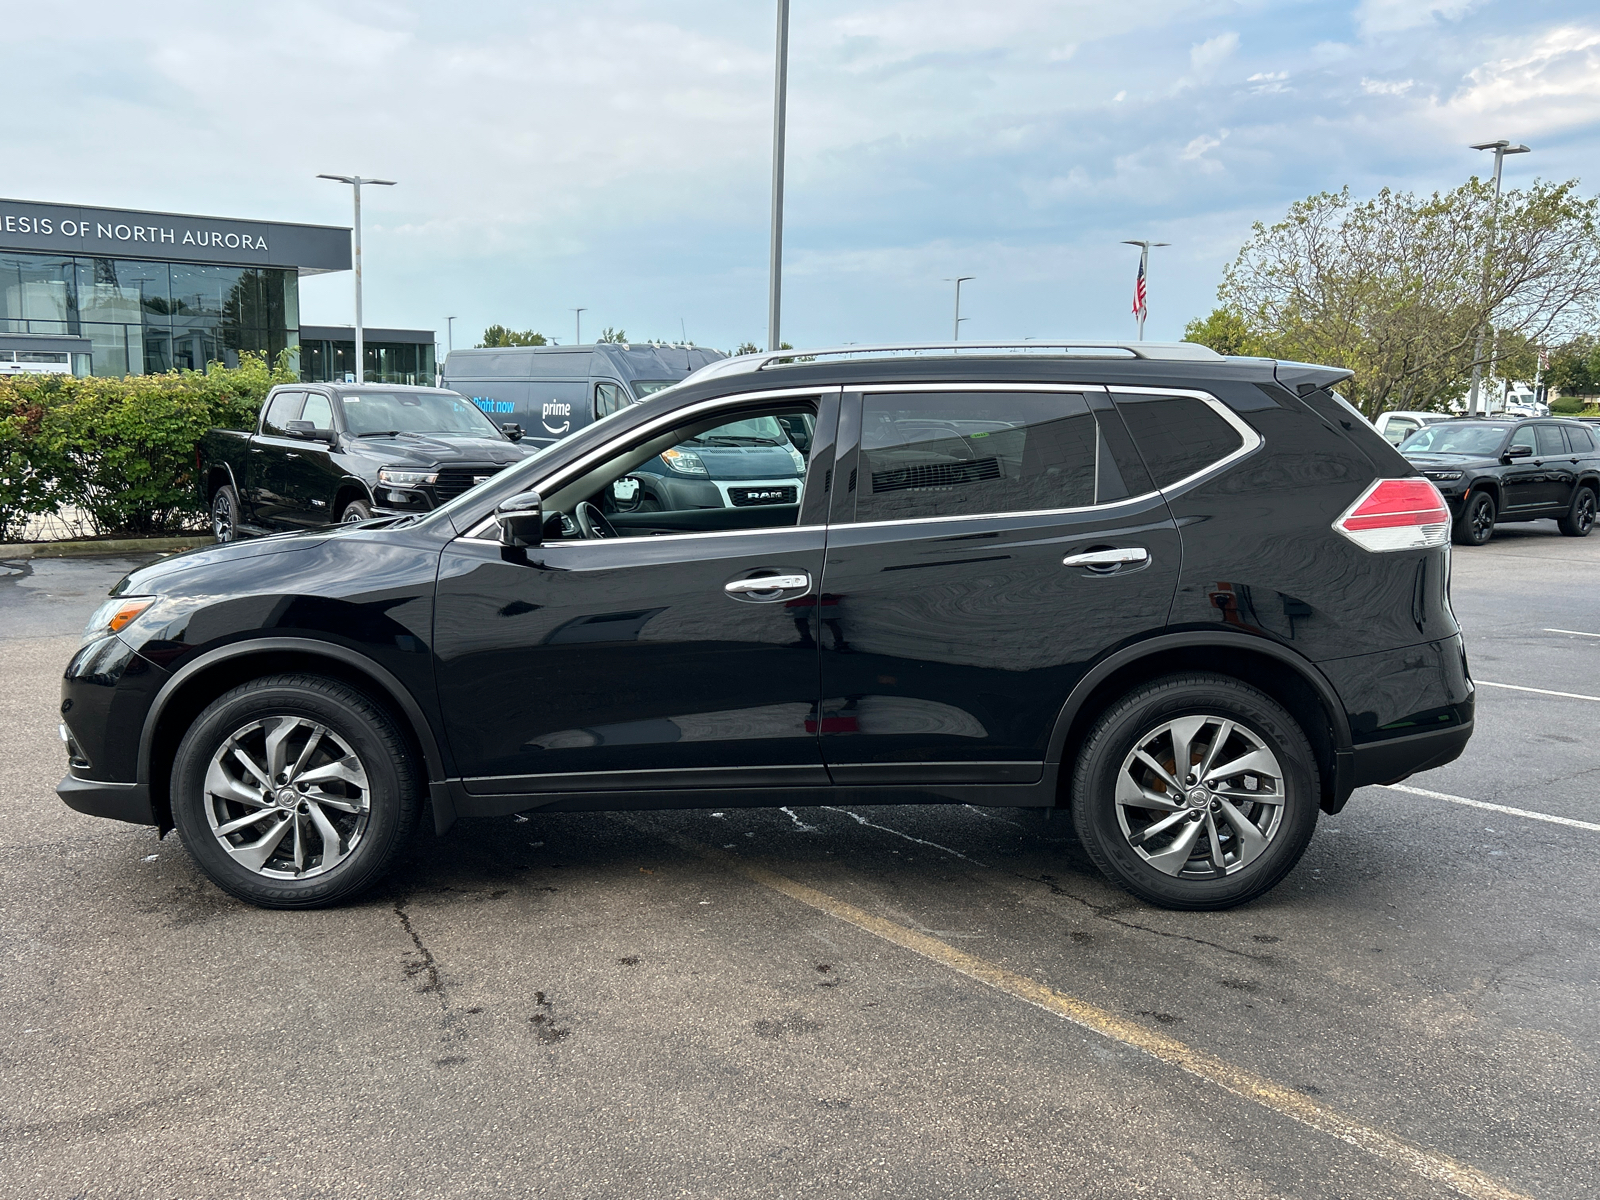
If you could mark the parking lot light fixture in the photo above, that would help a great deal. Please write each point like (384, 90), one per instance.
(577, 331)
(955, 335)
(1501, 148)
(356, 182)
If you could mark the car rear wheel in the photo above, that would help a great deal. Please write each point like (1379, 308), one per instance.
(225, 514)
(1475, 525)
(294, 791)
(1580, 517)
(1196, 792)
(356, 510)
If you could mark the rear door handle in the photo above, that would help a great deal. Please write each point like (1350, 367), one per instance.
(767, 587)
(1108, 558)
(291, 454)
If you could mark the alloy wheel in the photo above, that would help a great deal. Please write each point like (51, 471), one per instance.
(1482, 520)
(1200, 797)
(1586, 511)
(222, 518)
(286, 797)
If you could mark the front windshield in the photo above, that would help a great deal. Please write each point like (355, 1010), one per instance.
(754, 431)
(414, 412)
(1454, 438)
(645, 387)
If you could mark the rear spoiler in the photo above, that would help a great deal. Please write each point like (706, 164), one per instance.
(1301, 378)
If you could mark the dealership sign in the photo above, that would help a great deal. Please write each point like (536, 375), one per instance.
(171, 237)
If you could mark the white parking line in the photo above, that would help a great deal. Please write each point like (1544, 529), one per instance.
(1574, 632)
(1499, 808)
(1542, 691)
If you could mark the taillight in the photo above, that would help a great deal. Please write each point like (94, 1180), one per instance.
(1397, 514)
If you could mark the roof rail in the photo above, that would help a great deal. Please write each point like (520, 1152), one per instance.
(1160, 351)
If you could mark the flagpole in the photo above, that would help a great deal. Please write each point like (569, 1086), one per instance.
(1142, 301)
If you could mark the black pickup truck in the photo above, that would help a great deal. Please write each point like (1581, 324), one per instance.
(327, 453)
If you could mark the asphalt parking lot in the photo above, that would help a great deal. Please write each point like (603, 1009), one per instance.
(842, 1002)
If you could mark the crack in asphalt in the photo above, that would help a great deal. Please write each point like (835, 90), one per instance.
(1108, 912)
(427, 965)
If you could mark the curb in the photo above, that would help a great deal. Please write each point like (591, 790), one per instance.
(16, 550)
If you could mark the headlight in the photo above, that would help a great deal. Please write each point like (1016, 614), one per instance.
(799, 460)
(1443, 476)
(684, 462)
(400, 477)
(114, 616)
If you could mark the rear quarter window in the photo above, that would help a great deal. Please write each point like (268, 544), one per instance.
(1177, 436)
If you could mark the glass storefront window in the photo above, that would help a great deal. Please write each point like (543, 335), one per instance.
(37, 294)
(152, 316)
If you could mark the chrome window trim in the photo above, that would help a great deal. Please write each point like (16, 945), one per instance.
(659, 537)
(566, 473)
(1251, 440)
(1002, 516)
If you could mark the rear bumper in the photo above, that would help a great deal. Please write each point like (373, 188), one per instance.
(1397, 758)
(119, 801)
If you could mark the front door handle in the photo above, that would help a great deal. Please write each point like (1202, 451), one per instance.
(1108, 558)
(767, 587)
(291, 454)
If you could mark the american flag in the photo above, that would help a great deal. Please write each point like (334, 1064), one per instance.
(1138, 291)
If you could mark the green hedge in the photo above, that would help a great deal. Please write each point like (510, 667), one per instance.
(122, 450)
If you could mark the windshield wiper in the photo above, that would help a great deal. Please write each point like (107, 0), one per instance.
(380, 433)
(729, 439)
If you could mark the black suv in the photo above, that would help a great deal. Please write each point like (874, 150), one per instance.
(1491, 471)
(1193, 599)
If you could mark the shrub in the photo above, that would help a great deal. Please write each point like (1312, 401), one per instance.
(122, 450)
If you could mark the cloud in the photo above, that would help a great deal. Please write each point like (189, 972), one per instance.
(1387, 87)
(1377, 17)
(1207, 56)
(1547, 82)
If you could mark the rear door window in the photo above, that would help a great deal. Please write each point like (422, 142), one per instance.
(281, 409)
(1178, 436)
(1551, 443)
(947, 453)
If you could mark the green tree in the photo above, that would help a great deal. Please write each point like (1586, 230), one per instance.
(1575, 367)
(609, 334)
(1225, 331)
(499, 335)
(1396, 287)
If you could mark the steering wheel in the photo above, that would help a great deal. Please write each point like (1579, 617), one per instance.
(592, 522)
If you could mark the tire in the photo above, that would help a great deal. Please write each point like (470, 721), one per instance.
(356, 510)
(369, 807)
(1475, 525)
(1580, 517)
(225, 514)
(1131, 842)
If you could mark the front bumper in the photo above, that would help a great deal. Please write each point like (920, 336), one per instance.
(118, 801)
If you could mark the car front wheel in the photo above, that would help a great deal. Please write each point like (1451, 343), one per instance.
(1196, 792)
(1475, 525)
(294, 791)
(1580, 517)
(356, 510)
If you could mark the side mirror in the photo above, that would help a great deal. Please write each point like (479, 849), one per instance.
(521, 520)
(1518, 452)
(308, 431)
(626, 493)
(512, 430)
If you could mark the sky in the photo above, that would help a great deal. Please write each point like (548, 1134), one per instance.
(616, 154)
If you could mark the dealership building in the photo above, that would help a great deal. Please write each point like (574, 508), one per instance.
(143, 292)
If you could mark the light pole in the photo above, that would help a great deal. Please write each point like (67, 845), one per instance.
(449, 334)
(958, 281)
(1141, 307)
(355, 182)
(577, 332)
(780, 100)
(1501, 148)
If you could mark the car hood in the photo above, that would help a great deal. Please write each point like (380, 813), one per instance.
(173, 572)
(1432, 459)
(437, 449)
(747, 462)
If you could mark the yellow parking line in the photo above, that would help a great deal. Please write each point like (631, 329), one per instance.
(1297, 1106)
